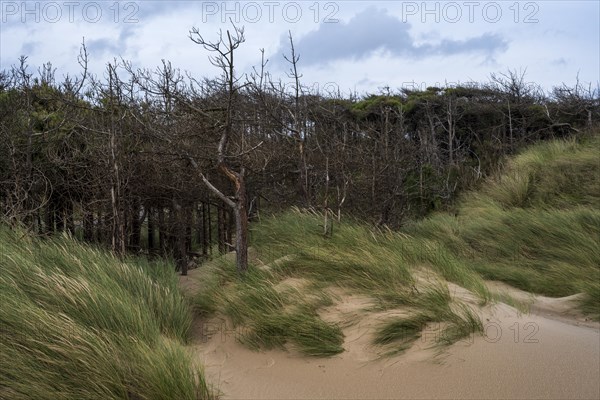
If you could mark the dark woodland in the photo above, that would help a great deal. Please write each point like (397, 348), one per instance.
(166, 163)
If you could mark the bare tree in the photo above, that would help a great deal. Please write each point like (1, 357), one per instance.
(224, 50)
(298, 127)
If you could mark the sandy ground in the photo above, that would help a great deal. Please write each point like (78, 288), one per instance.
(553, 352)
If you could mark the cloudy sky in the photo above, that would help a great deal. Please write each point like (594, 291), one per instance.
(358, 46)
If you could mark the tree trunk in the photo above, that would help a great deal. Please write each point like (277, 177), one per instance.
(50, 216)
(222, 229)
(230, 230)
(205, 242)
(161, 231)
(179, 248)
(239, 207)
(136, 224)
(188, 221)
(208, 228)
(241, 227)
(198, 223)
(150, 229)
(88, 226)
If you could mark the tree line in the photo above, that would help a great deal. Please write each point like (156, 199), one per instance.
(163, 162)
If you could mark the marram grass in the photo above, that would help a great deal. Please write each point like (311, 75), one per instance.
(382, 265)
(76, 323)
(536, 226)
(540, 234)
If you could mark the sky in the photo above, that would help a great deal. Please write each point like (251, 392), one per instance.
(346, 46)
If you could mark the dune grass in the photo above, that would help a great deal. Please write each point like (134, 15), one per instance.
(434, 306)
(382, 265)
(77, 323)
(265, 316)
(535, 225)
(375, 262)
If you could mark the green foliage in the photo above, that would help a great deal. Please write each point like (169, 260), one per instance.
(558, 174)
(436, 306)
(270, 318)
(379, 264)
(375, 104)
(535, 226)
(78, 323)
(539, 234)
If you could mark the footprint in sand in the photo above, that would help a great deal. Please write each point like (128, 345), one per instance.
(268, 364)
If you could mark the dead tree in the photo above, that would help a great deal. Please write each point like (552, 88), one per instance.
(224, 49)
(298, 124)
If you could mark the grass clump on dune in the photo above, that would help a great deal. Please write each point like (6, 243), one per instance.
(535, 226)
(539, 234)
(266, 317)
(355, 259)
(557, 174)
(434, 306)
(356, 256)
(77, 323)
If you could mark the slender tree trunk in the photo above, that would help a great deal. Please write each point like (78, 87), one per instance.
(150, 229)
(179, 250)
(200, 226)
(241, 228)
(188, 222)
(50, 216)
(230, 229)
(88, 226)
(161, 231)
(205, 229)
(209, 228)
(222, 229)
(136, 224)
(172, 231)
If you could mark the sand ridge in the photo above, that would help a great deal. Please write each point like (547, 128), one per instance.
(548, 353)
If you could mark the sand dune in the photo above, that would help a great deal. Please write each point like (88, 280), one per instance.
(550, 353)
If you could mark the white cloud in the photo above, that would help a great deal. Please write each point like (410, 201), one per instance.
(372, 44)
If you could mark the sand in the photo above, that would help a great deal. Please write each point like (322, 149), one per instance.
(552, 352)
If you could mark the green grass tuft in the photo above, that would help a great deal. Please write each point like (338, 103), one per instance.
(435, 306)
(535, 226)
(77, 323)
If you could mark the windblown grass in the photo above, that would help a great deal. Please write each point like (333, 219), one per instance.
(77, 323)
(558, 174)
(267, 318)
(536, 226)
(435, 305)
(357, 257)
(378, 264)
